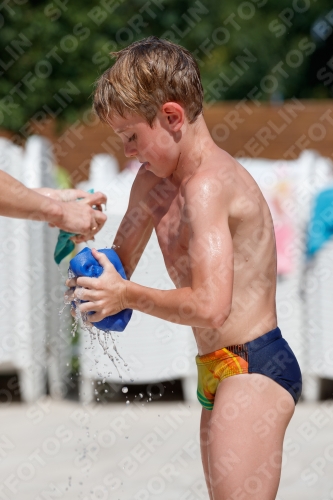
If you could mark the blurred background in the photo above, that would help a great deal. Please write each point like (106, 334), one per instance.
(267, 71)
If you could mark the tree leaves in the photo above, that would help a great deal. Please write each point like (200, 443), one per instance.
(47, 46)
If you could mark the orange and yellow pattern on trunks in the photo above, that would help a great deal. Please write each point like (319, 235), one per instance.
(216, 366)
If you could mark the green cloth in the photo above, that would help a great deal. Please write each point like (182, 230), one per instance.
(65, 245)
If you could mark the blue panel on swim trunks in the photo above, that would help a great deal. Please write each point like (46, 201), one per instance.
(85, 264)
(272, 356)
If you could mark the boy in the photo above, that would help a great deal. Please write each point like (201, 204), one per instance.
(216, 235)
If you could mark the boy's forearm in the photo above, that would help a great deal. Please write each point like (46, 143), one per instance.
(178, 306)
(18, 201)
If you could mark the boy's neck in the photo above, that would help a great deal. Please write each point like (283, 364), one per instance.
(197, 144)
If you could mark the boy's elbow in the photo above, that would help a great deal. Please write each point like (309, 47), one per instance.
(217, 321)
(216, 317)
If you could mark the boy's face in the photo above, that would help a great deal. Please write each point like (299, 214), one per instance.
(157, 148)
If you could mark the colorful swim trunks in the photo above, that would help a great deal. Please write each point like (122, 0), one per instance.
(268, 355)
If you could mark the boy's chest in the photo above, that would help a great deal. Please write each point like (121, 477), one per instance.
(172, 229)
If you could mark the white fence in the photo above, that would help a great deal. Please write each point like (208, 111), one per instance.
(300, 181)
(35, 340)
(31, 287)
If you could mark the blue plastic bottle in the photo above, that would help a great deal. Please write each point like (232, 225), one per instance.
(84, 264)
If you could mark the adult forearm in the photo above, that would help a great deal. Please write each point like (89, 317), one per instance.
(18, 201)
(55, 194)
(182, 306)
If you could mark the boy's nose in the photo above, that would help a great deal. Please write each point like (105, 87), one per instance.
(130, 151)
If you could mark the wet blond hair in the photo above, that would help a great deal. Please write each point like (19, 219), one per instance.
(146, 75)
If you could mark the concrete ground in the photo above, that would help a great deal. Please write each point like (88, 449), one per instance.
(140, 452)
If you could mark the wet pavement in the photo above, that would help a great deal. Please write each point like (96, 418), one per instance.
(140, 451)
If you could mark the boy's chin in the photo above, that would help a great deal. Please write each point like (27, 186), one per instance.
(148, 166)
(158, 171)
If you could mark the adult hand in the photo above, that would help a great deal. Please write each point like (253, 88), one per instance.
(79, 217)
(62, 194)
(105, 295)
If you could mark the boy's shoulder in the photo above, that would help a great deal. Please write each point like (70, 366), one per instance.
(143, 187)
(216, 173)
(145, 180)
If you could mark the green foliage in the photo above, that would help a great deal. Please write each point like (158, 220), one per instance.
(51, 52)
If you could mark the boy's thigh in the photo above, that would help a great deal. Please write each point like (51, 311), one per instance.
(250, 415)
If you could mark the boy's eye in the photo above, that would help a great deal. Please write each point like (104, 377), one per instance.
(132, 138)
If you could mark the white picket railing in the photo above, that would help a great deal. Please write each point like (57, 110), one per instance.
(35, 340)
(31, 286)
(306, 176)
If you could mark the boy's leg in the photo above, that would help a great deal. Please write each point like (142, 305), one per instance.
(247, 427)
(204, 443)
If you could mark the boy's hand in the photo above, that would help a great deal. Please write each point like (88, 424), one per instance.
(69, 294)
(105, 295)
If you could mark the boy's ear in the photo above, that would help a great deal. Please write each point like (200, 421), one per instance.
(175, 115)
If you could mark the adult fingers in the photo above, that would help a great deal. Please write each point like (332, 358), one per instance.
(81, 238)
(78, 193)
(100, 219)
(71, 194)
(95, 199)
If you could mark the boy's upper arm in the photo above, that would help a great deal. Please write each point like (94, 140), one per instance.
(137, 225)
(211, 246)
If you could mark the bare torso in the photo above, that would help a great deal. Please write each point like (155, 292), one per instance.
(253, 310)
